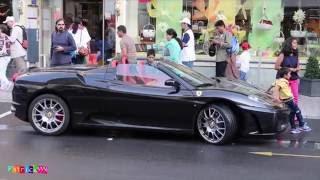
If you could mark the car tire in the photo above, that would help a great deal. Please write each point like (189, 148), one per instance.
(49, 115)
(216, 124)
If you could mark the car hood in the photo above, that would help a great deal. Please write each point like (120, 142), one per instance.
(240, 87)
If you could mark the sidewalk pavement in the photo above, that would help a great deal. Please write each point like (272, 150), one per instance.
(310, 106)
(5, 96)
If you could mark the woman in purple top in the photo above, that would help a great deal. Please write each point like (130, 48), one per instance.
(289, 59)
(62, 45)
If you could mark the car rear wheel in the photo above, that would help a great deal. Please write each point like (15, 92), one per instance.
(217, 124)
(49, 114)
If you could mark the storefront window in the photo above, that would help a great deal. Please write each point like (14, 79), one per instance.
(264, 23)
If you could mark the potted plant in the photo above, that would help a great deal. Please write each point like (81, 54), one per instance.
(299, 16)
(310, 83)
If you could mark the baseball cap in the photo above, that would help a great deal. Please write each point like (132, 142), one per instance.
(8, 19)
(245, 46)
(186, 20)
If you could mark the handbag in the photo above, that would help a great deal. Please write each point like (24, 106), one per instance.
(212, 50)
(83, 51)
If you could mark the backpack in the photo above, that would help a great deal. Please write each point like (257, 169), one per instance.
(24, 42)
(235, 46)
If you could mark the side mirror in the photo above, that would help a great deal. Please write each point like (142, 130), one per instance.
(172, 83)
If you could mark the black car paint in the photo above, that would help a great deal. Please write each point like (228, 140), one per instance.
(96, 98)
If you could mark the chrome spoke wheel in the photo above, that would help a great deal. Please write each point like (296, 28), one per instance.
(211, 125)
(48, 115)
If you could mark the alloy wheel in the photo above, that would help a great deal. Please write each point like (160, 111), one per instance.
(48, 115)
(212, 125)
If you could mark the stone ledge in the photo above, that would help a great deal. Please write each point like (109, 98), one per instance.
(310, 107)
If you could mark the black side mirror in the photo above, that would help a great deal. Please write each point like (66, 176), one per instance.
(171, 82)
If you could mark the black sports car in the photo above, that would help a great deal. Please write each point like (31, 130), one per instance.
(159, 96)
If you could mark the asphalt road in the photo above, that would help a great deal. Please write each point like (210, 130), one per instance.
(89, 154)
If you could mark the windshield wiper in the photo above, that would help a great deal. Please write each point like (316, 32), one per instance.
(204, 85)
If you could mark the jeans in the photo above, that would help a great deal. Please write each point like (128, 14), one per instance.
(243, 76)
(20, 64)
(221, 68)
(294, 112)
(188, 63)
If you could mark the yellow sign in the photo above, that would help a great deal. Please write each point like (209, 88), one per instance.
(281, 154)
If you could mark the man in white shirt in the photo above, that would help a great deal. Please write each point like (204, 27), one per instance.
(188, 54)
(18, 53)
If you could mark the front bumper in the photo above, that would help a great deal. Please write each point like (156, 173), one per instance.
(265, 121)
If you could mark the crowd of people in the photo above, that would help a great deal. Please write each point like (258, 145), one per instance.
(71, 43)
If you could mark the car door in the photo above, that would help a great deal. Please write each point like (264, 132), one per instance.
(138, 97)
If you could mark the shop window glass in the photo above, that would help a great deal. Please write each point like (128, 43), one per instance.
(264, 23)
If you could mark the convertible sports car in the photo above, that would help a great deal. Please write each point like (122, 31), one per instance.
(161, 96)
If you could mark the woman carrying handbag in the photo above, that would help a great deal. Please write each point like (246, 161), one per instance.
(82, 39)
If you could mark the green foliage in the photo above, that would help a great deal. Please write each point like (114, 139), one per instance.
(312, 69)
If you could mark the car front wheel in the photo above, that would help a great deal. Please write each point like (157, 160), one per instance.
(217, 124)
(49, 114)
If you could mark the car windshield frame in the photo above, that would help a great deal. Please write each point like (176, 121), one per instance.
(188, 75)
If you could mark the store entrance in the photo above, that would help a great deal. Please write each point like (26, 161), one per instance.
(99, 21)
(89, 11)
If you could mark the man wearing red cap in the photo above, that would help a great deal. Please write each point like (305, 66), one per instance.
(244, 60)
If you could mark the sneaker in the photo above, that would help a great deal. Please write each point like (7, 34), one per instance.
(295, 131)
(305, 128)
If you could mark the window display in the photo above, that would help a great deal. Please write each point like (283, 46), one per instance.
(265, 24)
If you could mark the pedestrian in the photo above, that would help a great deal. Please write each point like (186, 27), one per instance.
(222, 39)
(289, 58)
(151, 55)
(232, 72)
(109, 43)
(128, 48)
(188, 54)
(4, 58)
(68, 20)
(17, 51)
(82, 39)
(282, 93)
(244, 61)
(62, 45)
(173, 46)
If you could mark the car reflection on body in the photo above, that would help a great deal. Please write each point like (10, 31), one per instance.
(162, 96)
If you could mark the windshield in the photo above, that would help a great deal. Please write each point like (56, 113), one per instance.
(190, 76)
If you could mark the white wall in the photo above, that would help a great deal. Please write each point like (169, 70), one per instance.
(129, 18)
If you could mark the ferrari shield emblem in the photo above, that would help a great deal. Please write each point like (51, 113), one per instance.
(199, 93)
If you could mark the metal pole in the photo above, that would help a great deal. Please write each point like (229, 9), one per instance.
(103, 30)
